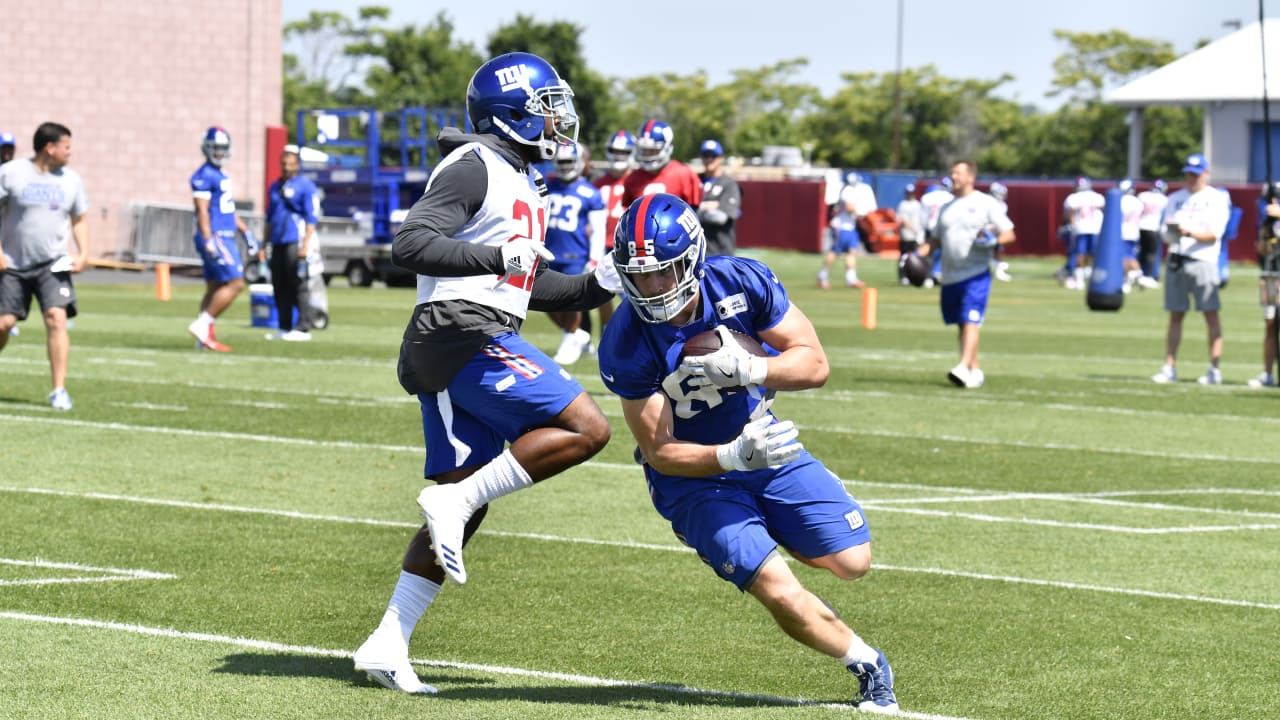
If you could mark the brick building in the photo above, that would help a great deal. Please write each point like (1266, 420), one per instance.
(138, 81)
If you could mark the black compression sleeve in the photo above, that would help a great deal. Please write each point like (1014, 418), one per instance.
(425, 244)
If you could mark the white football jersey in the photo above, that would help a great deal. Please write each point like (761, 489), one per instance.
(512, 208)
(932, 203)
(1130, 212)
(1152, 208)
(1084, 212)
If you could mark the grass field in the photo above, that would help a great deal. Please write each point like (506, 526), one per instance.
(211, 536)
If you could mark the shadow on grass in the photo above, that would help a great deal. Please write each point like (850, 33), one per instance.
(460, 687)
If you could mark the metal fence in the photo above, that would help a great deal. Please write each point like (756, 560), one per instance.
(160, 232)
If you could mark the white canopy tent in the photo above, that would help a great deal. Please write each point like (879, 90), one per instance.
(1225, 77)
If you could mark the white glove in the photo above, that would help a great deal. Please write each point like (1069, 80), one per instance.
(729, 367)
(519, 255)
(761, 445)
(607, 275)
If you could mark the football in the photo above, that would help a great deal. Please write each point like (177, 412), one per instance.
(915, 268)
(705, 343)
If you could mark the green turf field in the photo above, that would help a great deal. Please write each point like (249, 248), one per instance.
(211, 536)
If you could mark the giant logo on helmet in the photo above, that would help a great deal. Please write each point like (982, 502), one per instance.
(513, 77)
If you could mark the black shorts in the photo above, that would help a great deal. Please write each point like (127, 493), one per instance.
(52, 290)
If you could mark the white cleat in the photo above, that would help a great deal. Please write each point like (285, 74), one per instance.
(389, 668)
(447, 512)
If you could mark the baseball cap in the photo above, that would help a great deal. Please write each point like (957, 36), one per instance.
(1196, 164)
(6, 138)
(711, 147)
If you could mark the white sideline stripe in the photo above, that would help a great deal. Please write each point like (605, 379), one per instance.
(838, 430)
(1081, 586)
(111, 574)
(979, 517)
(1070, 497)
(150, 406)
(627, 544)
(475, 667)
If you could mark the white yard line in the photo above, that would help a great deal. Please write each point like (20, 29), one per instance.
(107, 574)
(310, 650)
(626, 544)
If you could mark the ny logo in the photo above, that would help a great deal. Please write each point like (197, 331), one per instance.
(689, 221)
(513, 77)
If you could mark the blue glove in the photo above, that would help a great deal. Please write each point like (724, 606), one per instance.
(251, 242)
(986, 238)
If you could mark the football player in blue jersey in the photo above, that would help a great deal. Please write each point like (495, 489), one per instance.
(575, 234)
(475, 239)
(215, 238)
(729, 476)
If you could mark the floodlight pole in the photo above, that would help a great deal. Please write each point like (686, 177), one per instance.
(897, 98)
(1266, 101)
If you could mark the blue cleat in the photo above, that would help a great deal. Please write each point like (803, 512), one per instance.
(875, 686)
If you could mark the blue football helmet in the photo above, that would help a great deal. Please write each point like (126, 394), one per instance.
(216, 146)
(660, 233)
(909, 189)
(520, 97)
(999, 191)
(1083, 183)
(654, 144)
(852, 178)
(947, 183)
(620, 151)
(569, 162)
(1125, 186)
(1160, 186)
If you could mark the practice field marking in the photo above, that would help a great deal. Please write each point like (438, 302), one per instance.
(1076, 498)
(570, 678)
(125, 427)
(630, 545)
(107, 574)
(150, 406)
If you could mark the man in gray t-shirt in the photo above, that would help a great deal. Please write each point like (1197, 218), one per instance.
(968, 230)
(42, 202)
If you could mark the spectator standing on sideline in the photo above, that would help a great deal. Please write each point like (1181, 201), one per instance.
(911, 228)
(475, 240)
(1150, 244)
(1194, 222)
(968, 230)
(721, 201)
(1268, 283)
(658, 172)
(575, 235)
(215, 238)
(729, 477)
(291, 220)
(620, 153)
(38, 198)
(8, 146)
(843, 237)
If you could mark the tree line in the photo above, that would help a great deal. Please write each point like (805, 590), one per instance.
(342, 61)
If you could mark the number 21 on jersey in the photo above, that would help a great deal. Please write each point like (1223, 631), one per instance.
(522, 211)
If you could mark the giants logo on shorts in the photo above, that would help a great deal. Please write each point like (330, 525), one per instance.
(728, 567)
(855, 519)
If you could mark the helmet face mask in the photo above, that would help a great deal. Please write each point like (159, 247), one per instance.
(654, 145)
(216, 146)
(520, 97)
(659, 243)
(569, 163)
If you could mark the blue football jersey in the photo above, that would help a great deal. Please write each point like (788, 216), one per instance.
(291, 206)
(638, 359)
(211, 183)
(568, 207)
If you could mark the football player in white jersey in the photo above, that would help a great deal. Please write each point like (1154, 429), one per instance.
(475, 238)
(1130, 215)
(1083, 211)
(1150, 244)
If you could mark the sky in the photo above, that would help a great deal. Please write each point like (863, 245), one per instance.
(980, 39)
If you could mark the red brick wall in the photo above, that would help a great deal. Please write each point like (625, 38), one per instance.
(138, 81)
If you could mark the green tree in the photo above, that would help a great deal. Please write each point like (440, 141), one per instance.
(324, 72)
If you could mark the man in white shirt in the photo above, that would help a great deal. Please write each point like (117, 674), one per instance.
(1194, 222)
(1083, 211)
(1150, 246)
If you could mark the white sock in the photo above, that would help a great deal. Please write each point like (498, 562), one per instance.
(412, 597)
(502, 476)
(205, 318)
(823, 274)
(858, 652)
(850, 276)
(582, 336)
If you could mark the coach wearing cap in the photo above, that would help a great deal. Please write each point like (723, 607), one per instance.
(721, 201)
(1194, 222)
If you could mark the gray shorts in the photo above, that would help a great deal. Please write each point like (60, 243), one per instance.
(1195, 278)
(50, 288)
